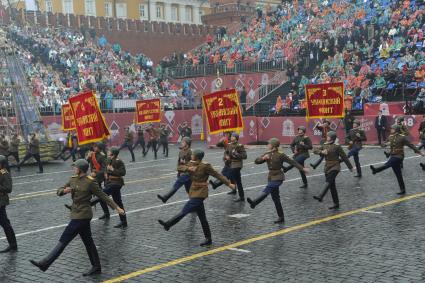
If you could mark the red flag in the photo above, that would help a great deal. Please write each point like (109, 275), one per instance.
(89, 121)
(148, 111)
(325, 100)
(223, 111)
(68, 122)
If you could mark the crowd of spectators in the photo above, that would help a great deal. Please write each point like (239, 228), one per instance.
(60, 63)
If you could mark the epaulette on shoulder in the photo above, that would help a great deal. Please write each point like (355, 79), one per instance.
(75, 176)
(3, 171)
(101, 153)
(90, 178)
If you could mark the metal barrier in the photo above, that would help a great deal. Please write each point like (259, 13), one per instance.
(211, 69)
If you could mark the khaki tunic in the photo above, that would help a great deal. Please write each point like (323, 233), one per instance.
(236, 152)
(14, 145)
(357, 140)
(185, 156)
(4, 147)
(5, 187)
(275, 165)
(34, 146)
(397, 143)
(301, 149)
(199, 187)
(82, 190)
(116, 176)
(129, 138)
(335, 153)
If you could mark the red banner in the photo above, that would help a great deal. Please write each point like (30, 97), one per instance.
(325, 100)
(148, 111)
(68, 122)
(89, 121)
(223, 111)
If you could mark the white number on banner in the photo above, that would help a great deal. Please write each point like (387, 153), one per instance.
(410, 122)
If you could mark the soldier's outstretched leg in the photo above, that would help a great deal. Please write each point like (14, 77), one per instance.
(173, 221)
(91, 249)
(323, 193)
(205, 226)
(354, 152)
(45, 263)
(332, 187)
(254, 202)
(8, 231)
(182, 180)
(236, 177)
(317, 163)
(278, 205)
(376, 170)
(116, 196)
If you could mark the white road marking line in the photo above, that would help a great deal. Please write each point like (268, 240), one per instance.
(181, 201)
(147, 246)
(34, 181)
(143, 192)
(371, 211)
(239, 250)
(239, 215)
(24, 194)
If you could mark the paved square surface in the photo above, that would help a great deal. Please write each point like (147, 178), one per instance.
(376, 236)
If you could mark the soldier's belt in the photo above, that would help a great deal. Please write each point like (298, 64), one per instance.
(199, 183)
(114, 177)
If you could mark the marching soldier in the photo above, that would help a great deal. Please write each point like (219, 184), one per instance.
(69, 146)
(81, 187)
(5, 190)
(355, 139)
(403, 130)
(33, 151)
(153, 140)
(224, 142)
(235, 153)
(115, 171)
(186, 131)
(332, 153)
(199, 173)
(164, 134)
(14, 149)
(324, 128)
(97, 162)
(140, 139)
(396, 141)
(83, 150)
(183, 177)
(300, 147)
(128, 143)
(274, 160)
(4, 150)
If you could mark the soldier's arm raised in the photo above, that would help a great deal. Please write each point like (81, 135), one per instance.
(212, 172)
(344, 157)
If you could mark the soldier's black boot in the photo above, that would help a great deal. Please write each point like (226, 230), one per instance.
(387, 154)
(47, 261)
(317, 163)
(335, 198)
(173, 221)
(123, 223)
(281, 217)
(253, 203)
(215, 184)
(94, 201)
(67, 206)
(166, 197)
(105, 209)
(323, 193)
(304, 178)
(377, 169)
(422, 166)
(207, 234)
(359, 171)
(94, 260)
(11, 239)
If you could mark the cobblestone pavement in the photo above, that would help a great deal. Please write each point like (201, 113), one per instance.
(378, 244)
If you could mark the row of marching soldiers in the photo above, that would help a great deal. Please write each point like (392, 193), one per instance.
(193, 174)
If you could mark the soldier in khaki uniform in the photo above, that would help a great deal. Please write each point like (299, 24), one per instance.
(223, 142)
(128, 143)
(5, 190)
(396, 141)
(332, 153)
(324, 127)
(14, 149)
(355, 139)
(199, 173)
(164, 134)
(33, 151)
(81, 187)
(300, 147)
(140, 139)
(183, 177)
(276, 176)
(115, 171)
(234, 154)
(153, 135)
